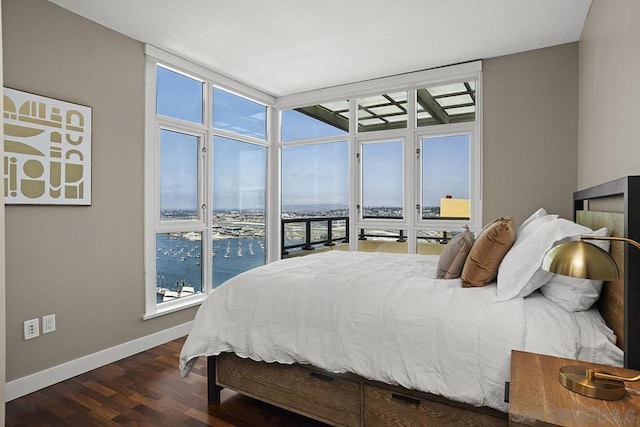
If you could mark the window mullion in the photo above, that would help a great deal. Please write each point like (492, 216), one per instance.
(274, 196)
(354, 173)
(410, 183)
(206, 207)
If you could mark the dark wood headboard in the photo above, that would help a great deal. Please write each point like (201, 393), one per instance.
(620, 300)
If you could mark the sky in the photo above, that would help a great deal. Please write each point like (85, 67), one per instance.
(317, 173)
(311, 174)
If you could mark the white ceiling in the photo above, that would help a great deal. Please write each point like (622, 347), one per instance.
(289, 46)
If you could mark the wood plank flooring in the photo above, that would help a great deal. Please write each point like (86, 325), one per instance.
(144, 390)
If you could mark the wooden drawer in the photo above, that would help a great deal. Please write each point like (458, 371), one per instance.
(324, 397)
(384, 407)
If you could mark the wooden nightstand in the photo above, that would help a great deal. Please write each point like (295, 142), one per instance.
(537, 398)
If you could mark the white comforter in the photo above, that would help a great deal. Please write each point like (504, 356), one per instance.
(381, 316)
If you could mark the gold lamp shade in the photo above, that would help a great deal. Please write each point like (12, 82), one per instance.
(580, 259)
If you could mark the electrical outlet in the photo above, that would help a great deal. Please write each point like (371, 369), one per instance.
(31, 329)
(48, 323)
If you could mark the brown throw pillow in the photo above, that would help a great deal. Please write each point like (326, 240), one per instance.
(492, 244)
(454, 255)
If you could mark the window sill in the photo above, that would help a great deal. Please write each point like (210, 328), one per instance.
(172, 307)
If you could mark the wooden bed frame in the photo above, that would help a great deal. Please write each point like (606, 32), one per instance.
(347, 399)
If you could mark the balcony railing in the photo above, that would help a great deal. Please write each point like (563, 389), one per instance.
(327, 238)
(309, 242)
(401, 237)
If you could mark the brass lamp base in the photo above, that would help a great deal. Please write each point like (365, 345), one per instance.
(582, 380)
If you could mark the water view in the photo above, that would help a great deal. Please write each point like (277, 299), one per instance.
(238, 243)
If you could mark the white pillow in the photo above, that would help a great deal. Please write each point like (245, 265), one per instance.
(573, 293)
(520, 273)
(532, 226)
(537, 214)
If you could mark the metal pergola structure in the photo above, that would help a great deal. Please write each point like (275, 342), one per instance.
(452, 103)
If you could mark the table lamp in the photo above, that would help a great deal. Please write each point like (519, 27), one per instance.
(577, 258)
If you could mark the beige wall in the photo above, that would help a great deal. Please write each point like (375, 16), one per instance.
(3, 298)
(530, 132)
(85, 264)
(609, 92)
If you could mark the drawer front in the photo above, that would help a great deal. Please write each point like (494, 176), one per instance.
(388, 408)
(305, 391)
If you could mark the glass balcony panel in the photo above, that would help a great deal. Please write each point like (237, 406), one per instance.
(339, 229)
(392, 241)
(305, 235)
(294, 234)
(432, 242)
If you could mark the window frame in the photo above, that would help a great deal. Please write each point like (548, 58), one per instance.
(154, 123)
(280, 144)
(412, 222)
(474, 177)
(202, 150)
(368, 221)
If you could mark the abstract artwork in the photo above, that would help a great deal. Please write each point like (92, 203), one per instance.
(47, 150)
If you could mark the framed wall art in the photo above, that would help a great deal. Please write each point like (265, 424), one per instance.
(47, 150)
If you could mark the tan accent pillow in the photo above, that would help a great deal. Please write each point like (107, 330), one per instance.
(492, 244)
(454, 255)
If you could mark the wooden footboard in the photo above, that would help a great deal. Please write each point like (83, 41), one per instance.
(340, 399)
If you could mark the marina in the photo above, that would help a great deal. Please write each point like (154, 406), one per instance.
(179, 262)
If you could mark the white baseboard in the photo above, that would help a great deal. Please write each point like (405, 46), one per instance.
(39, 380)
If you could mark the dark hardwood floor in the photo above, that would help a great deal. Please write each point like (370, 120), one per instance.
(144, 390)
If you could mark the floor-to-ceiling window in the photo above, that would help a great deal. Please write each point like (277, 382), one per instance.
(314, 188)
(238, 189)
(236, 178)
(414, 160)
(207, 154)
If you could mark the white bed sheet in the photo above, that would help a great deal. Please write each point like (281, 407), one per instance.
(381, 316)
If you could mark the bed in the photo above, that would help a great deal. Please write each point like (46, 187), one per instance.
(340, 345)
